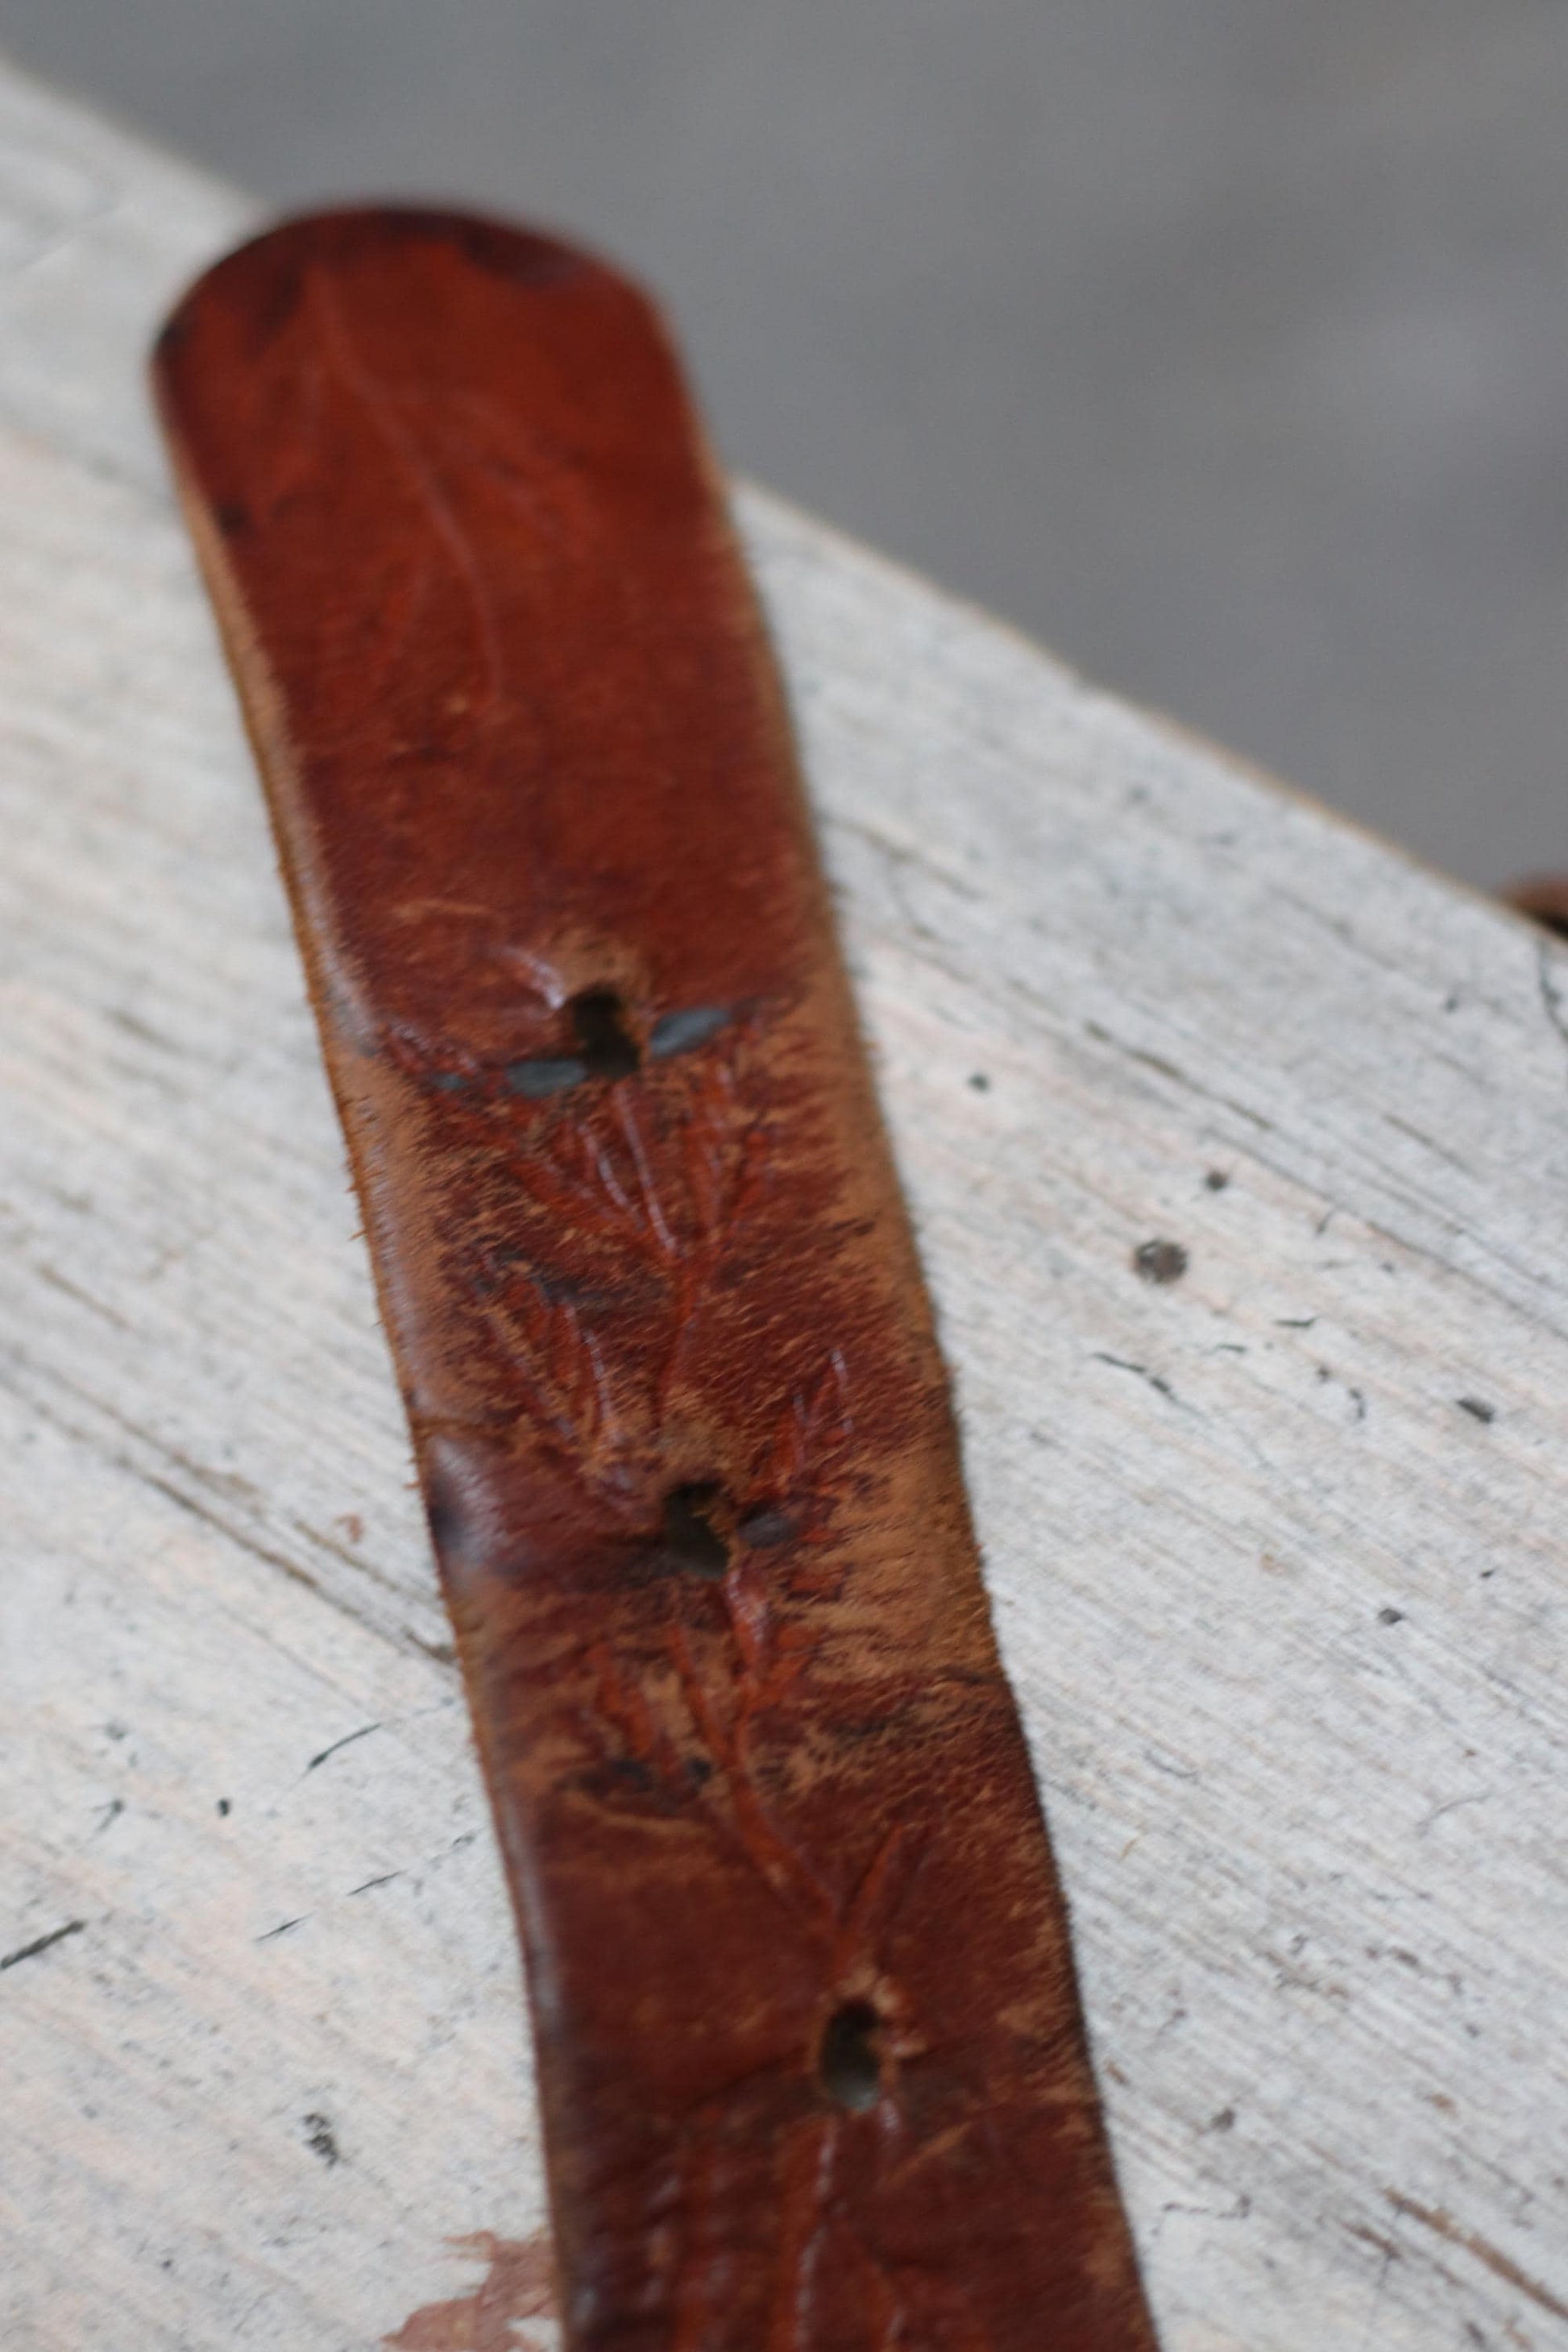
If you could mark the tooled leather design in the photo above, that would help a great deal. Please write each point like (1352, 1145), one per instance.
(810, 2064)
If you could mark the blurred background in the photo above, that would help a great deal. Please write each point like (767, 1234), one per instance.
(1223, 344)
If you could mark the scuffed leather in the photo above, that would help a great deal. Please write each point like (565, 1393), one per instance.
(811, 2060)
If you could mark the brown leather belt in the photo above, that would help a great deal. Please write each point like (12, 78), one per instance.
(811, 2062)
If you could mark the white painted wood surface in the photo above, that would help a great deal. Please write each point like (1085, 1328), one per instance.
(1277, 1548)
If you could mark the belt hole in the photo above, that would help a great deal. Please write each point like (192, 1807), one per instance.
(691, 1536)
(848, 2064)
(605, 1044)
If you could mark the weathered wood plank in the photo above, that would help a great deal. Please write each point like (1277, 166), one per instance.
(1275, 1544)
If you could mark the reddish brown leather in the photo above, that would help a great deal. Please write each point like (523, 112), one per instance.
(811, 2062)
(1544, 899)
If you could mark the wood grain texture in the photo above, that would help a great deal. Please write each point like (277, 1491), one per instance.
(1275, 1546)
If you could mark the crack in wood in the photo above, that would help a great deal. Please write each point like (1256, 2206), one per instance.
(1443, 2225)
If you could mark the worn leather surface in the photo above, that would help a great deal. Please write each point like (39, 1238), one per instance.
(811, 2061)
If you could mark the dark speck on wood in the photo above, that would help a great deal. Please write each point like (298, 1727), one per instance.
(1159, 1261)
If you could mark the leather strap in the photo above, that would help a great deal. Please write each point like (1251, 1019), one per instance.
(1543, 897)
(811, 2062)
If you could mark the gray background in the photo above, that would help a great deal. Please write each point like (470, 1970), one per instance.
(1222, 343)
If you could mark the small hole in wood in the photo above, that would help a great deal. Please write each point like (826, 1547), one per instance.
(1159, 1261)
(848, 2064)
(691, 1536)
(607, 1045)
